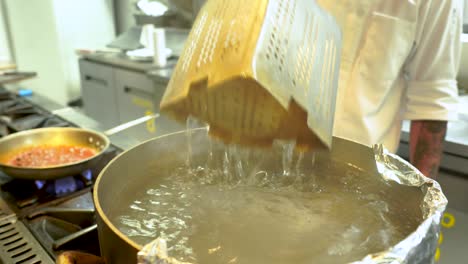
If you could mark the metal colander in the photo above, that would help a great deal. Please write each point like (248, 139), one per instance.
(259, 70)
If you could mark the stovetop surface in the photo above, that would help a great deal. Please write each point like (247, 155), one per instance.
(57, 221)
(41, 219)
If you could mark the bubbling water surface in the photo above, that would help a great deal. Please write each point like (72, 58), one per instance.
(235, 211)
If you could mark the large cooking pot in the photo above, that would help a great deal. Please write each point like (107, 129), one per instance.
(134, 170)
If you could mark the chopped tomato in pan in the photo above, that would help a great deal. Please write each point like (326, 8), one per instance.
(46, 156)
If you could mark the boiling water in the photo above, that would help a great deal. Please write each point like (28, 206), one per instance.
(191, 124)
(238, 213)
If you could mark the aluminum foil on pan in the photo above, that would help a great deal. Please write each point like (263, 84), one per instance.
(156, 253)
(419, 246)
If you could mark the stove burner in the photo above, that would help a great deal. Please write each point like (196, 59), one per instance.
(60, 187)
(88, 174)
(64, 186)
(26, 193)
(40, 184)
(65, 229)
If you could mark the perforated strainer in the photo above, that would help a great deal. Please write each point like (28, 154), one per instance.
(259, 70)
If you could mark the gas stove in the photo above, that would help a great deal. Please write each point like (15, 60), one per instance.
(17, 114)
(41, 219)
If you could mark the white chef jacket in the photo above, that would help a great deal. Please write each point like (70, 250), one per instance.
(399, 61)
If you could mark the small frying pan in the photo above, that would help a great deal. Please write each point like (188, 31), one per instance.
(56, 136)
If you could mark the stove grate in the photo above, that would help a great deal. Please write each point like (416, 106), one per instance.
(18, 245)
(5, 211)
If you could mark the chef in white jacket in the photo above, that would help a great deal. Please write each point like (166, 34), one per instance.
(399, 61)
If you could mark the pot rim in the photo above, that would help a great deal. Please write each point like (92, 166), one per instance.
(97, 204)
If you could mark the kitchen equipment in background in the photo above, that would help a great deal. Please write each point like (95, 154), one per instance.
(176, 13)
(128, 40)
(128, 92)
(58, 136)
(152, 8)
(172, 151)
(264, 70)
(98, 90)
(180, 15)
(15, 76)
(147, 55)
(189, 8)
(154, 47)
(170, 19)
(159, 50)
(184, 7)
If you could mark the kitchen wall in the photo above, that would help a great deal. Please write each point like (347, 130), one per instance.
(5, 54)
(124, 11)
(45, 35)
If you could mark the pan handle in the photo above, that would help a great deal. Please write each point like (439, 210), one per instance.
(129, 124)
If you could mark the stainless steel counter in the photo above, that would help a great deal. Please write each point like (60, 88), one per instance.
(160, 75)
(175, 39)
(122, 61)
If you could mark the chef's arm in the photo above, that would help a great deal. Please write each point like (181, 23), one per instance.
(432, 88)
(426, 144)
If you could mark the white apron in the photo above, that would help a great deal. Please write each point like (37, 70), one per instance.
(377, 39)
